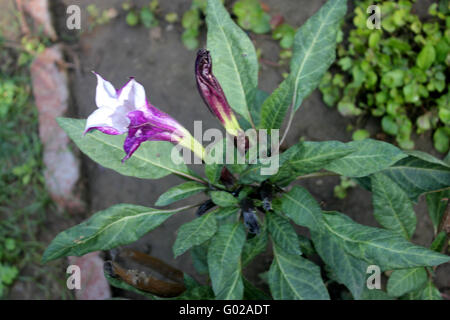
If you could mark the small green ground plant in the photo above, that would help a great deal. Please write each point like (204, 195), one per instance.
(245, 211)
(23, 199)
(398, 73)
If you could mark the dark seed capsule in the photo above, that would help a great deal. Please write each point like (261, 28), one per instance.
(205, 207)
(266, 194)
(249, 215)
(251, 222)
(227, 178)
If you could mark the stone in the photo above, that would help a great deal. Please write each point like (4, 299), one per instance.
(39, 11)
(62, 167)
(94, 285)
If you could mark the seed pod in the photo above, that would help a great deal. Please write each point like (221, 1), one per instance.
(249, 215)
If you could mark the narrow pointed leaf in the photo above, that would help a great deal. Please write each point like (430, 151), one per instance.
(417, 176)
(282, 233)
(302, 208)
(292, 277)
(107, 229)
(349, 270)
(392, 207)
(223, 199)
(430, 292)
(308, 157)
(378, 246)
(370, 156)
(224, 262)
(406, 280)
(254, 246)
(195, 233)
(180, 192)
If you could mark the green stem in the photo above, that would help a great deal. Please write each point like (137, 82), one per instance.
(318, 175)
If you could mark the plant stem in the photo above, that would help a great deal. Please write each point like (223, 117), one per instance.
(318, 175)
(191, 177)
(439, 190)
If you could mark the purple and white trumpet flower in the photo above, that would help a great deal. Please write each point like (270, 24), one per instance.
(128, 111)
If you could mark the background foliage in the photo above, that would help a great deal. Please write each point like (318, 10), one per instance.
(398, 73)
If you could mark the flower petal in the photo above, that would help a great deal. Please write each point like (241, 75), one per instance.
(105, 96)
(132, 96)
(141, 130)
(108, 121)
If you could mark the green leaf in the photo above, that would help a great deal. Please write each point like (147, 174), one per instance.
(406, 280)
(213, 171)
(151, 161)
(199, 257)
(234, 59)
(302, 208)
(132, 18)
(370, 156)
(441, 139)
(292, 277)
(180, 192)
(305, 245)
(254, 246)
(427, 157)
(348, 269)
(225, 214)
(430, 292)
(360, 134)
(251, 16)
(436, 206)
(314, 51)
(307, 157)
(223, 199)
(195, 233)
(282, 233)
(224, 262)
(416, 176)
(119, 225)
(439, 242)
(426, 57)
(148, 18)
(378, 246)
(189, 38)
(389, 125)
(276, 105)
(392, 207)
(253, 293)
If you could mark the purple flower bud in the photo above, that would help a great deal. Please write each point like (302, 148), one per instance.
(212, 93)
